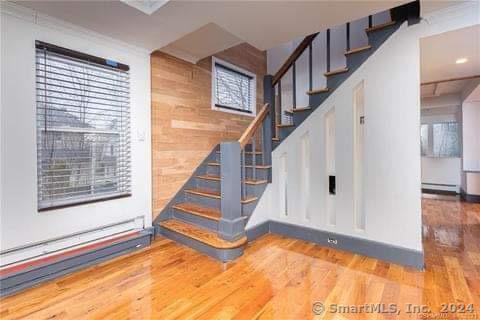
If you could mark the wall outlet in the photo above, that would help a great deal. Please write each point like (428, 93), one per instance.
(332, 240)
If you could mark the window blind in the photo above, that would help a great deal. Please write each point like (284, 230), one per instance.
(233, 89)
(83, 128)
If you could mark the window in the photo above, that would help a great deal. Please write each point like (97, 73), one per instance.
(445, 140)
(440, 140)
(424, 139)
(83, 125)
(233, 89)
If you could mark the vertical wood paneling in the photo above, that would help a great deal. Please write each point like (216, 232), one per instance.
(184, 128)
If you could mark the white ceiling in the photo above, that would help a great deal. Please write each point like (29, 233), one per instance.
(445, 88)
(186, 28)
(439, 53)
(263, 24)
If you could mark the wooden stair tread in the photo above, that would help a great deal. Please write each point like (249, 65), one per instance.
(359, 49)
(285, 125)
(334, 72)
(203, 235)
(209, 177)
(319, 90)
(213, 163)
(217, 178)
(249, 152)
(198, 210)
(258, 166)
(255, 181)
(204, 192)
(215, 194)
(299, 109)
(275, 139)
(380, 26)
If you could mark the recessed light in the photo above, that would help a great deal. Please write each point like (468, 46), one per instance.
(461, 60)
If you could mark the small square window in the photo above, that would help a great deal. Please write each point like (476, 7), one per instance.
(233, 88)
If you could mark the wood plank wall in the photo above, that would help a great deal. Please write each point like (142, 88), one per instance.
(184, 128)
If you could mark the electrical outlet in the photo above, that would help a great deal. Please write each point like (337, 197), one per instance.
(332, 240)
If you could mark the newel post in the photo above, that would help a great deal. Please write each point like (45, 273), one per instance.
(231, 224)
(268, 124)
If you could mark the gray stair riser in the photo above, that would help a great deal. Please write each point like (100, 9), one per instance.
(275, 144)
(378, 37)
(285, 132)
(208, 184)
(299, 117)
(196, 220)
(356, 59)
(316, 100)
(248, 158)
(255, 189)
(336, 80)
(220, 254)
(248, 208)
(260, 174)
(202, 200)
(213, 170)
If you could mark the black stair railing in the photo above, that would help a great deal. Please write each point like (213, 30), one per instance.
(278, 116)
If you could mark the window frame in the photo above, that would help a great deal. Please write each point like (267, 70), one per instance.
(253, 88)
(65, 202)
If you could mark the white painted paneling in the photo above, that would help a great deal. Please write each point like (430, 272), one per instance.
(21, 224)
(305, 168)
(392, 142)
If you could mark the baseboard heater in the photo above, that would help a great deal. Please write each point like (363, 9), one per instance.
(31, 272)
(437, 188)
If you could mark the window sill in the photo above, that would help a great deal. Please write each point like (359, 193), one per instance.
(228, 110)
(82, 202)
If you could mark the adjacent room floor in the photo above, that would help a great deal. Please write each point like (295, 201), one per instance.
(276, 278)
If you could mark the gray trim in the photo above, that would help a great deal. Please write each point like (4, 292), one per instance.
(439, 191)
(382, 251)
(257, 231)
(231, 225)
(472, 198)
(30, 276)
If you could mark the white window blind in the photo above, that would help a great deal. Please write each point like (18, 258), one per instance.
(83, 128)
(233, 88)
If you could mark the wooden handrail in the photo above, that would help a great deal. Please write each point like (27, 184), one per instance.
(293, 57)
(257, 122)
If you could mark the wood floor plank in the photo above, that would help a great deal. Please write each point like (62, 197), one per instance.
(276, 278)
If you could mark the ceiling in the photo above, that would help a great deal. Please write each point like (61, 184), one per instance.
(193, 30)
(446, 88)
(440, 52)
(263, 24)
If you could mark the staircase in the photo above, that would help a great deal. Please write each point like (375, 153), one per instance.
(211, 210)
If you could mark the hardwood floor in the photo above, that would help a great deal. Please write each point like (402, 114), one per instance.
(276, 278)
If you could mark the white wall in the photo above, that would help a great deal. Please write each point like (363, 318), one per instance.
(21, 224)
(392, 143)
(444, 171)
(471, 147)
(471, 134)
